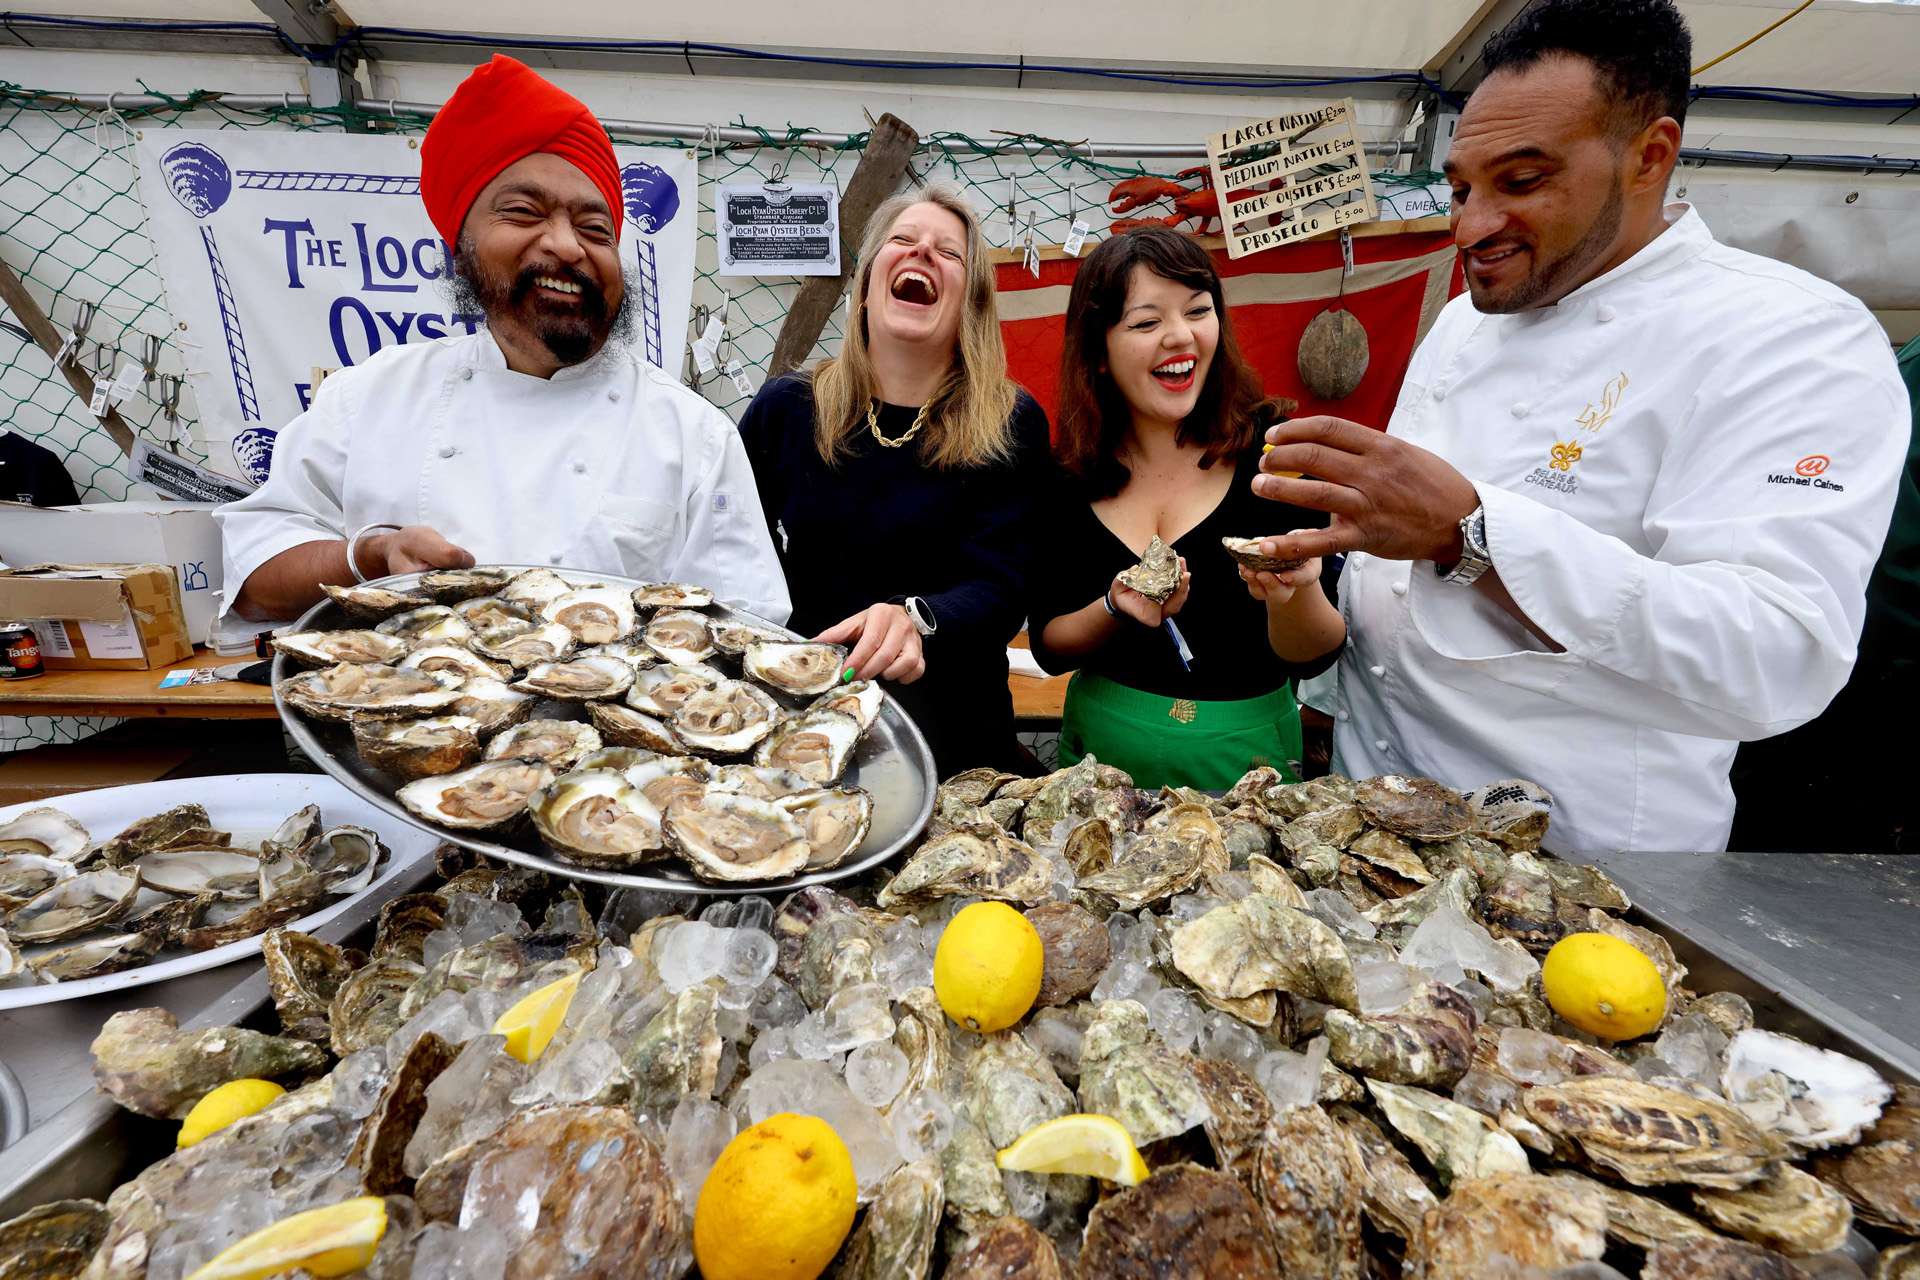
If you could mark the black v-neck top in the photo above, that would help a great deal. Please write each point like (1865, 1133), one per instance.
(1224, 626)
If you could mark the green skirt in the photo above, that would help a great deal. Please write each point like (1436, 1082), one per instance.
(1178, 742)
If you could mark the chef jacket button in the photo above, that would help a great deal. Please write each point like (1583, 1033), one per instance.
(466, 375)
(1381, 744)
(1342, 714)
(1439, 393)
(580, 466)
(1603, 313)
(1399, 588)
(555, 558)
(614, 396)
(1377, 671)
(447, 451)
(1519, 410)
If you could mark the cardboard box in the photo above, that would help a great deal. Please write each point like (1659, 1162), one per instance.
(180, 534)
(115, 617)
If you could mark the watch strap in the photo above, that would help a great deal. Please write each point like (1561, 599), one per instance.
(1476, 557)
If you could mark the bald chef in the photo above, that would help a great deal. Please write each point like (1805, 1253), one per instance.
(543, 438)
(1625, 511)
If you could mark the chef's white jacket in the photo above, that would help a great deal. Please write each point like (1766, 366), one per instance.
(1688, 466)
(610, 466)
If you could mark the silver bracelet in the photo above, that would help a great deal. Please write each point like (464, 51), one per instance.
(1106, 599)
(353, 547)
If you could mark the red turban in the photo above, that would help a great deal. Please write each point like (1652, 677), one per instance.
(500, 114)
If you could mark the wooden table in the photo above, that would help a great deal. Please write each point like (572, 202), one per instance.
(137, 694)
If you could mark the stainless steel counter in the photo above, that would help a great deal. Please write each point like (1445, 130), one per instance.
(1829, 939)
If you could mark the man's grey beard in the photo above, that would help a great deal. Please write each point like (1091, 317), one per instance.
(462, 291)
(1542, 283)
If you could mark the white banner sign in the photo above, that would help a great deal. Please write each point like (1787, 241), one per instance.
(286, 253)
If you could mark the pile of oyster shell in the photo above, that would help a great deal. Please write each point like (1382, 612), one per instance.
(738, 776)
(71, 908)
(1220, 978)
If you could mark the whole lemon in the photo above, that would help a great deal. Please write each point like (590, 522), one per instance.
(220, 1108)
(778, 1204)
(986, 969)
(1604, 985)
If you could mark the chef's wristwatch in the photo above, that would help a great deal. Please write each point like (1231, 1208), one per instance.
(917, 613)
(1475, 556)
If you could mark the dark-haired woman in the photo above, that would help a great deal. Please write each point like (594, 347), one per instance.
(902, 474)
(1161, 421)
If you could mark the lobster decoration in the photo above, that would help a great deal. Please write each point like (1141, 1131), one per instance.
(1189, 203)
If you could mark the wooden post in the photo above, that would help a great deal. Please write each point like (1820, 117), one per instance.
(874, 179)
(14, 293)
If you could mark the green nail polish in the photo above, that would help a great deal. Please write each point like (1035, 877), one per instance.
(846, 677)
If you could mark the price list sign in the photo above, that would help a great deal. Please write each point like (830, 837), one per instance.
(1290, 177)
(779, 229)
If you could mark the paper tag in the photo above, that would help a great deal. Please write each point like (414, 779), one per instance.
(706, 348)
(1346, 252)
(102, 401)
(1033, 260)
(703, 357)
(53, 639)
(128, 381)
(112, 639)
(1076, 237)
(738, 372)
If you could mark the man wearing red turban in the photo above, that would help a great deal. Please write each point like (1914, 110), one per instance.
(543, 438)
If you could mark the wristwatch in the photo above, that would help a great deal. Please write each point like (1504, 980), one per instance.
(1475, 556)
(917, 613)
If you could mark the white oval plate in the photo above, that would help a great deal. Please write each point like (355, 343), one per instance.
(246, 804)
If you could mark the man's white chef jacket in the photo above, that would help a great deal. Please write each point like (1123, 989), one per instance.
(1688, 467)
(610, 466)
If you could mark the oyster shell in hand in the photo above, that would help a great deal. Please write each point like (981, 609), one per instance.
(89, 900)
(726, 836)
(817, 745)
(423, 748)
(729, 718)
(597, 615)
(596, 817)
(489, 796)
(1157, 576)
(560, 743)
(679, 636)
(375, 603)
(799, 668)
(349, 690)
(1247, 551)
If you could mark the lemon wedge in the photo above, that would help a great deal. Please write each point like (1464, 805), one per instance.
(530, 1025)
(231, 1101)
(1095, 1146)
(337, 1240)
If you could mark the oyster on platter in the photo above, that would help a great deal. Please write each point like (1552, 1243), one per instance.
(349, 690)
(44, 833)
(423, 748)
(768, 784)
(1247, 551)
(525, 644)
(1718, 1258)
(659, 691)
(895, 1238)
(724, 836)
(325, 648)
(836, 821)
(862, 699)
(375, 603)
(731, 636)
(1075, 950)
(451, 586)
(483, 613)
(232, 875)
(460, 661)
(596, 817)
(595, 615)
(490, 702)
(97, 956)
(671, 595)
(433, 624)
(798, 668)
(533, 588)
(88, 900)
(1394, 1196)
(304, 973)
(1157, 576)
(22, 875)
(561, 744)
(679, 637)
(816, 744)
(1789, 1210)
(1126, 1073)
(577, 679)
(623, 726)
(728, 718)
(489, 796)
(1457, 1141)
(154, 832)
(54, 1241)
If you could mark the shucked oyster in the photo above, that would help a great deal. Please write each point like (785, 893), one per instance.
(410, 749)
(533, 588)
(434, 624)
(1652, 1136)
(622, 726)
(578, 680)
(561, 743)
(726, 836)
(835, 822)
(862, 700)
(1533, 1220)
(451, 586)
(732, 636)
(596, 817)
(1157, 576)
(97, 956)
(492, 703)
(22, 875)
(981, 861)
(663, 779)
(348, 690)
(817, 745)
(374, 603)
(45, 832)
(598, 615)
(671, 595)
(796, 668)
(75, 905)
(324, 648)
(484, 613)
(679, 636)
(1247, 551)
(525, 644)
(489, 796)
(768, 784)
(659, 691)
(156, 831)
(230, 874)
(1812, 1097)
(458, 659)
(725, 719)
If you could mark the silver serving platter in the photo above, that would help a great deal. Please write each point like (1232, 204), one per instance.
(892, 763)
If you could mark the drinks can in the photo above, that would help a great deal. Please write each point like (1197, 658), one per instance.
(19, 652)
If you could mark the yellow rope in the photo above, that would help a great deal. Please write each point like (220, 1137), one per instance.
(1808, 4)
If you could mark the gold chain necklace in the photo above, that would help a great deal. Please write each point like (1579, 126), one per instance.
(873, 424)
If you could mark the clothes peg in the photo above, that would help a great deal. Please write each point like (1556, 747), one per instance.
(69, 352)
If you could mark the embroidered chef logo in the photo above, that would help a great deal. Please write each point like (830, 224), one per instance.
(1183, 711)
(1809, 473)
(1556, 475)
(1593, 418)
(1564, 456)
